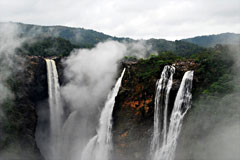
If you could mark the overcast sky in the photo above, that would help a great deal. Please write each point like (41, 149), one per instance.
(169, 19)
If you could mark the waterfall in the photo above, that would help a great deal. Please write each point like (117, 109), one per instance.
(163, 87)
(56, 109)
(168, 134)
(181, 105)
(99, 147)
(66, 135)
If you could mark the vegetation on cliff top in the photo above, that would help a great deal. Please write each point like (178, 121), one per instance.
(60, 41)
(47, 47)
(215, 103)
(214, 72)
(180, 48)
(214, 78)
(212, 40)
(52, 46)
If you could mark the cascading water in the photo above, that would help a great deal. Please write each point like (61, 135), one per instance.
(66, 135)
(163, 87)
(181, 105)
(169, 135)
(56, 109)
(99, 147)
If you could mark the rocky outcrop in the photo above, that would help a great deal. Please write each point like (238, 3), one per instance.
(32, 91)
(133, 111)
(134, 108)
(60, 69)
(29, 87)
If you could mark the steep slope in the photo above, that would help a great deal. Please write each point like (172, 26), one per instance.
(60, 40)
(78, 36)
(17, 128)
(212, 40)
(134, 107)
(47, 47)
(180, 48)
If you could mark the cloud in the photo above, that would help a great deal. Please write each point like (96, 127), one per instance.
(211, 130)
(9, 41)
(9, 65)
(139, 49)
(173, 19)
(91, 73)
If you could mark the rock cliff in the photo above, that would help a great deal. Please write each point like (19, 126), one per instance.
(29, 87)
(134, 107)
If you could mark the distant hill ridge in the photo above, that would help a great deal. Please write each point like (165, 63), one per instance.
(86, 38)
(91, 37)
(212, 40)
(74, 35)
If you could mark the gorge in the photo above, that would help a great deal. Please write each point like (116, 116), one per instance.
(96, 104)
(99, 147)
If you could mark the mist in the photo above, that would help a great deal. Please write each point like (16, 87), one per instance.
(91, 74)
(139, 49)
(9, 41)
(211, 131)
(10, 65)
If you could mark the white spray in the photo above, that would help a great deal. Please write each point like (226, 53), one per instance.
(99, 146)
(169, 136)
(164, 86)
(181, 106)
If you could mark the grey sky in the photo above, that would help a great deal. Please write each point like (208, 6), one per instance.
(169, 19)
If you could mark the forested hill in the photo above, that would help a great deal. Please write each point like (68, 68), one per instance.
(88, 38)
(212, 40)
(77, 36)
(61, 40)
(180, 48)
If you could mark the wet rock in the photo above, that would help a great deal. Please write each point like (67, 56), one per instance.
(134, 109)
(30, 88)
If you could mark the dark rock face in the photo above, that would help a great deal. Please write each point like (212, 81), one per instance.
(134, 110)
(36, 74)
(60, 69)
(132, 116)
(33, 91)
(31, 88)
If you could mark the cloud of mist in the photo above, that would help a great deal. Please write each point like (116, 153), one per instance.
(223, 143)
(91, 74)
(33, 31)
(9, 41)
(212, 128)
(139, 49)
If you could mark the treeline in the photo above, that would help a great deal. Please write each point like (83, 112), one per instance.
(179, 48)
(215, 105)
(47, 47)
(55, 46)
(215, 69)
